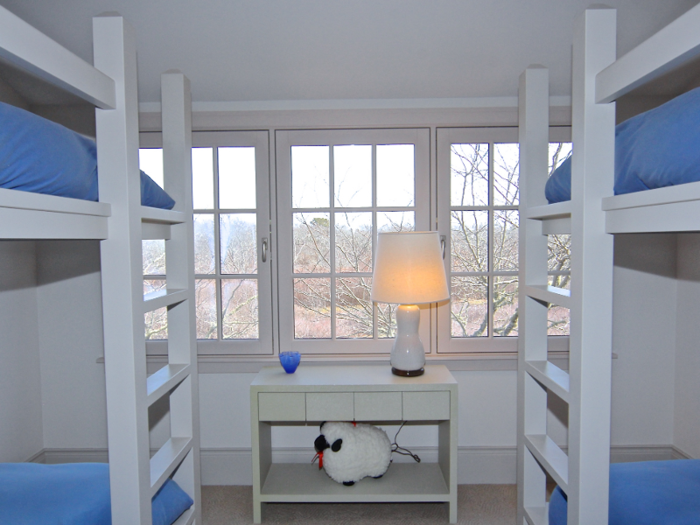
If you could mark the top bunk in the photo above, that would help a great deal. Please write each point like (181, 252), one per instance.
(48, 173)
(657, 153)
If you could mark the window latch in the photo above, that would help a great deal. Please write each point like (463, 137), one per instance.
(264, 250)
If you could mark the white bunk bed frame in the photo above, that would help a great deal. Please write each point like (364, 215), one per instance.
(120, 222)
(590, 217)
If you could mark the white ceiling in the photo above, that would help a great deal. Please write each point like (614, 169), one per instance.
(282, 50)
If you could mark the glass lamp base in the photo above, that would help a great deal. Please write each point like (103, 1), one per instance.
(407, 373)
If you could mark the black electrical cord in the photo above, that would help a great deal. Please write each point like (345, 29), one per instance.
(400, 450)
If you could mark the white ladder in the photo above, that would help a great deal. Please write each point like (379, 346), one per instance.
(135, 477)
(582, 471)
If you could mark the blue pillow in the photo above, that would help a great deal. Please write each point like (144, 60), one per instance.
(77, 493)
(655, 149)
(646, 493)
(40, 156)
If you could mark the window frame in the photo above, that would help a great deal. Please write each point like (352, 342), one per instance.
(284, 140)
(445, 137)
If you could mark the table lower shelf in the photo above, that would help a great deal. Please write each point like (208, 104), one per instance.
(295, 482)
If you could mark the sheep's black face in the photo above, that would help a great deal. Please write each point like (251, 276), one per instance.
(321, 444)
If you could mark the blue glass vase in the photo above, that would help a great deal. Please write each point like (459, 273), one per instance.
(290, 361)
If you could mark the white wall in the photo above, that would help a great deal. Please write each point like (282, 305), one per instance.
(20, 384)
(70, 334)
(643, 339)
(687, 384)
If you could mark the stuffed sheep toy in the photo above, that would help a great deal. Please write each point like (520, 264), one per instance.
(349, 451)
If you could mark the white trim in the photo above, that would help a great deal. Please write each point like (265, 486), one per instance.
(344, 104)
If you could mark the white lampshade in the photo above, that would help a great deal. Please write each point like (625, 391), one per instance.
(408, 269)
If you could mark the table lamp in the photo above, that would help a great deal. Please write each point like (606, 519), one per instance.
(408, 271)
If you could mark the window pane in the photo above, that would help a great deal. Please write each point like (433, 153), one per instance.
(558, 152)
(153, 253)
(506, 169)
(352, 174)
(312, 240)
(237, 178)
(151, 163)
(396, 221)
(395, 175)
(204, 250)
(505, 306)
(239, 308)
(238, 243)
(353, 308)
(469, 241)
(386, 320)
(203, 178)
(353, 242)
(312, 308)
(156, 324)
(469, 179)
(470, 306)
(558, 321)
(205, 292)
(153, 285)
(310, 176)
(505, 241)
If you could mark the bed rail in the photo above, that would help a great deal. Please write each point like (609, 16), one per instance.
(34, 52)
(671, 47)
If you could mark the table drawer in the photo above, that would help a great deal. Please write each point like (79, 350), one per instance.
(281, 406)
(378, 406)
(426, 406)
(329, 406)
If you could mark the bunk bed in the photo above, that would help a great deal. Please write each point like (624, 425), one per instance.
(590, 490)
(136, 488)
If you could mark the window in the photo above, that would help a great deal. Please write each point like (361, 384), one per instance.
(336, 191)
(230, 193)
(478, 198)
(289, 257)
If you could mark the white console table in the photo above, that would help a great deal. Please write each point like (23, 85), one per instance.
(314, 394)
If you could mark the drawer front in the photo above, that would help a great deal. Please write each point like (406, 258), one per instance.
(426, 406)
(378, 406)
(329, 406)
(281, 406)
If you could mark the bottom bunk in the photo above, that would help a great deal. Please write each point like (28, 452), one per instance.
(646, 493)
(73, 494)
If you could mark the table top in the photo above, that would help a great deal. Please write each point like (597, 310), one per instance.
(359, 377)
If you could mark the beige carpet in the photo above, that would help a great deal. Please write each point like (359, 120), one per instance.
(477, 505)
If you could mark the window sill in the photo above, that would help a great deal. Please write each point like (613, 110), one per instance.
(232, 364)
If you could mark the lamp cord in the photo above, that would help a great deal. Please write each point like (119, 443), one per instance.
(400, 450)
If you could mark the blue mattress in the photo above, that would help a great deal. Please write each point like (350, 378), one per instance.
(40, 156)
(72, 494)
(646, 493)
(652, 150)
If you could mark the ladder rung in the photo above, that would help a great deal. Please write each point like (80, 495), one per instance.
(160, 216)
(560, 226)
(551, 457)
(151, 231)
(551, 376)
(167, 459)
(164, 380)
(162, 298)
(187, 517)
(549, 294)
(537, 515)
(558, 210)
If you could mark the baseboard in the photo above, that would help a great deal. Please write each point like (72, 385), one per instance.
(476, 465)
